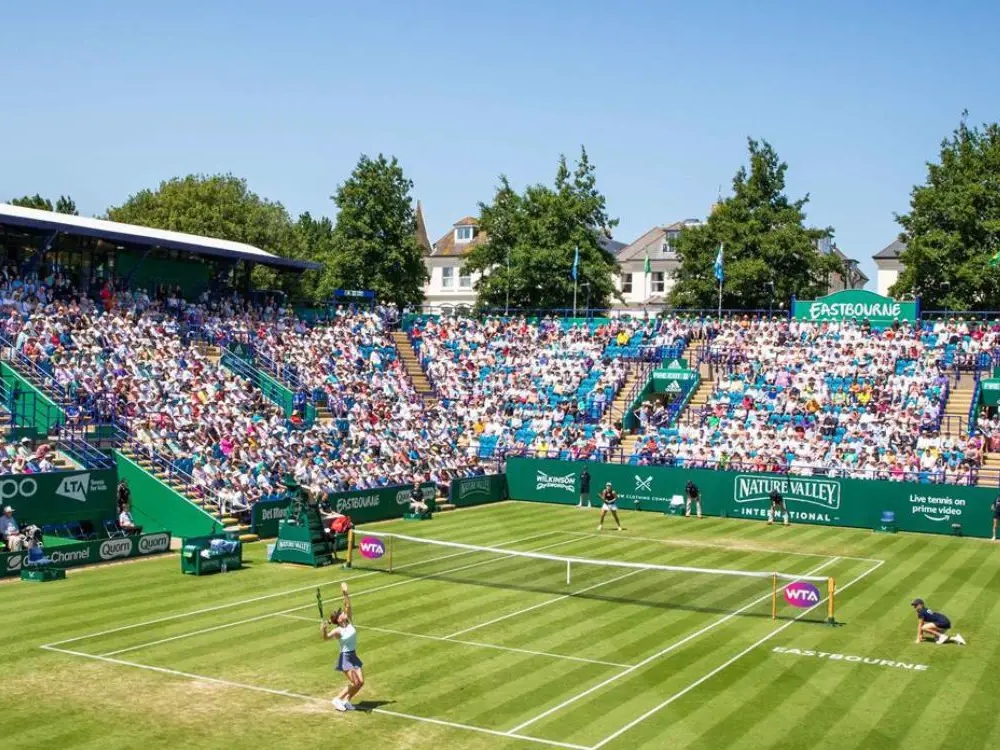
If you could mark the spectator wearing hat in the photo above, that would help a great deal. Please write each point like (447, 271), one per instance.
(10, 531)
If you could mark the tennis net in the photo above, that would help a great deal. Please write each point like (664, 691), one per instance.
(554, 573)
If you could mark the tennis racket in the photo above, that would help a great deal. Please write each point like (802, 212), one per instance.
(319, 603)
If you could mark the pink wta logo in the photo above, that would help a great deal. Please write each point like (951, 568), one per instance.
(372, 548)
(802, 594)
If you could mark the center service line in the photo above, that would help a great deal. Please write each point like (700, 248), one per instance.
(257, 618)
(658, 654)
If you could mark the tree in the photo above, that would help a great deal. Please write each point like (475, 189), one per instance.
(220, 206)
(64, 205)
(953, 228)
(374, 244)
(532, 240)
(769, 254)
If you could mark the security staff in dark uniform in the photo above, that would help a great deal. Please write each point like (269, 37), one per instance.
(693, 495)
(584, 489)
(777, 506)
(417, 504)
(996, 516)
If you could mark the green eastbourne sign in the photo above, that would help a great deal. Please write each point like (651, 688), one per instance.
(855, 304)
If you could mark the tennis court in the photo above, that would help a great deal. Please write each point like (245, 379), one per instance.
(499, 648)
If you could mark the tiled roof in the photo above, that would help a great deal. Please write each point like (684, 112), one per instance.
(891, 251)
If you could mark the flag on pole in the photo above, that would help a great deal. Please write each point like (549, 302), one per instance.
(646, 267)
(576, 265)
(719, 273)
(995, 260)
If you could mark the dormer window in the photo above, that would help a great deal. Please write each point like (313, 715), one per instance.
(464, 234)
(669, 247)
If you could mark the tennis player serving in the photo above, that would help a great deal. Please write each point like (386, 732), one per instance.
(348, 661)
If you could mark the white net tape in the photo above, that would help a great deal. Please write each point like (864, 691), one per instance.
(597, 563)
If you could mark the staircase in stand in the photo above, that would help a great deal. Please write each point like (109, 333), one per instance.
(616, 412)
(956, 409)
(182, 487)
(411, 363)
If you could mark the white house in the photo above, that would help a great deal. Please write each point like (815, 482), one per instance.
(889, 266)
(449, 289)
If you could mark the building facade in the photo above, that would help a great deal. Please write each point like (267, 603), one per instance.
(451, 290)
(889, 266)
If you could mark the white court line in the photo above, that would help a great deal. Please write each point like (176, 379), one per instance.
(658, 654)
(546, 603)
(426, 637)
(264, 597)
(711, 545)
(718, 669)
(313, 699)
(248, 620)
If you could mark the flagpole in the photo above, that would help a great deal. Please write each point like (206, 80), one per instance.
(720, 299)
(574, 297)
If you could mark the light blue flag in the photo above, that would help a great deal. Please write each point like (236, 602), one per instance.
(719, 273)
(576, 265)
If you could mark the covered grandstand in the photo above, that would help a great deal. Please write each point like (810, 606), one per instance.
(91, 252)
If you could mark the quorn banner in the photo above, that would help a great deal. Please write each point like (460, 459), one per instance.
(929, 508)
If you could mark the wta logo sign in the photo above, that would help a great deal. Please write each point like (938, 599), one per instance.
(802, 594)
(371, 548)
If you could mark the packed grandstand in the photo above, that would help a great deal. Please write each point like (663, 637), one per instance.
(786, 396)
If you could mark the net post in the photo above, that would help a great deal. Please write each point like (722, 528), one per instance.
(831, 588)
(350, 548)
(774, 596)
(390, 554)
(568, 579)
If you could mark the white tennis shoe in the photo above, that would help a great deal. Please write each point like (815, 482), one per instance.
(339, 704)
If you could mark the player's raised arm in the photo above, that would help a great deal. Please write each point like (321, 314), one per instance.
(347, 600)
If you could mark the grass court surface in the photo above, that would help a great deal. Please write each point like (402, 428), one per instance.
(472, 650)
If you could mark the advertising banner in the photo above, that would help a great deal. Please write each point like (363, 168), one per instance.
(89, 553)
(469, 491)
(928, 508)
(855, 304)
(60, 497)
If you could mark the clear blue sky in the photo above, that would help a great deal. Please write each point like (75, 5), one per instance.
(102, 99)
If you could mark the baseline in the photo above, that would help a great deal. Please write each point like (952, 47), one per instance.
(311, 698)
(717, 545)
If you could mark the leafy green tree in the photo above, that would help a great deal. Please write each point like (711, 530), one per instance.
(532, 239)
(952, 231)
(769, 254)
(64, 205)
(220, 206)
(374, 244)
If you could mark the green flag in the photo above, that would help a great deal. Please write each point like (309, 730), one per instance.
(995, 260)
(646, 268)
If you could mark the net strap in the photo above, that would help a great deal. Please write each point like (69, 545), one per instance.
(600, 563)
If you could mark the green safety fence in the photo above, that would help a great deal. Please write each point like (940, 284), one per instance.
(156, 506)
(274, 391)
(927, 508)
(89, 553)
(468, 491)
(36, 410)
